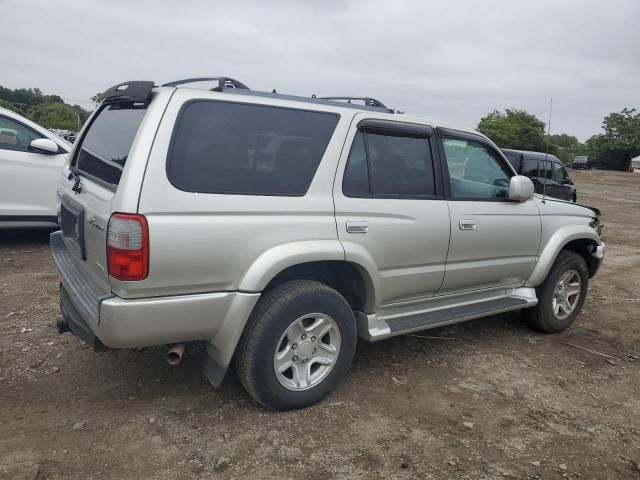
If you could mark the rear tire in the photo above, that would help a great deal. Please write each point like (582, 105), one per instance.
(561, 295)
(297, 346)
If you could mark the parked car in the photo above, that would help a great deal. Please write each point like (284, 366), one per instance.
(277, 229)
(31, 159)
(582, 163)
(546, 171)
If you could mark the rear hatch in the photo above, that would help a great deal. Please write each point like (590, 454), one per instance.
(92, 186)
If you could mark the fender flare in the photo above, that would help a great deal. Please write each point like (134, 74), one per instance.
(556, 243)
(281, 257)
(269, 264)
(360, 257)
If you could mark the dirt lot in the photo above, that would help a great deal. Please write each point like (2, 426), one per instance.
(493, 399)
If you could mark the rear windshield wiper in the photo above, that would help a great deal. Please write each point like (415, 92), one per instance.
(75, 174)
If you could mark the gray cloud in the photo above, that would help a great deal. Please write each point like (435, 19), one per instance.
(453, 61)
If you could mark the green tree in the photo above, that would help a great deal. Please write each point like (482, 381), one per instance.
(565, 147)
(8, 105)
(54, 115)
(620, 141)
(47, 110)
(514, 128)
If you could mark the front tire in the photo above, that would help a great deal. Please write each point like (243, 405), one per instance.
(297, 346)
(561, 295)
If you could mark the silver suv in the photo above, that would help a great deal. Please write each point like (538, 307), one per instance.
(278, 229)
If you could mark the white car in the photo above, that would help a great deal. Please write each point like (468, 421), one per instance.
(31, 158)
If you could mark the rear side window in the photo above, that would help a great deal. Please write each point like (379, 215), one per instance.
(234, 148)
(389, 164)
(105, 147)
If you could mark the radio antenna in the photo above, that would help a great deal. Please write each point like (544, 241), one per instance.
(546, 155)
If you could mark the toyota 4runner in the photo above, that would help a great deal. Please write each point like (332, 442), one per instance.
(278, 229)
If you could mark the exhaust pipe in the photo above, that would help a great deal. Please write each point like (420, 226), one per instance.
(174, 354)
(62, 325)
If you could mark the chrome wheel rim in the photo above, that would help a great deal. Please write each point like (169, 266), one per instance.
(566, 294)
(307, 352)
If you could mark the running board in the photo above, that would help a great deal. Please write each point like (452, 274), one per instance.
(373, 328)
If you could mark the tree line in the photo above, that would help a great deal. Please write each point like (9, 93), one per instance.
(613, 149)
(50, 111)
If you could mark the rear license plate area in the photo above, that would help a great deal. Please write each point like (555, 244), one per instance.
(72, 224)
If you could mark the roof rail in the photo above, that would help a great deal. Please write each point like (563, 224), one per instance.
(223, 82)
(368, 101)
(135, 91)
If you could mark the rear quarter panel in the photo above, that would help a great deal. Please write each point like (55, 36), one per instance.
(202, 242)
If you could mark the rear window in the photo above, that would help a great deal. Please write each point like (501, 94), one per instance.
(105, 147)
(233, 148)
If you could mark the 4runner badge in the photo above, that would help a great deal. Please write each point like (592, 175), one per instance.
(92, 221)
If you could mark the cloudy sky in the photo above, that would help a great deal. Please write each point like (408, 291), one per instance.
(452, 61)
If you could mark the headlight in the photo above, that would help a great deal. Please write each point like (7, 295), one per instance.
(596, 225)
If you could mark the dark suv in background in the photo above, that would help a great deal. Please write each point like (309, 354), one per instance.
(546, 171)
(582, 162)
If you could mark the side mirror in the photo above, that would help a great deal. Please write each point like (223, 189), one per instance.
(520, 188)
(44, 145)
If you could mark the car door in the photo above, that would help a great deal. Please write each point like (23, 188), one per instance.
(560, 188)
(531, 168)
(390, 211)
(494, 241)
(28, 179)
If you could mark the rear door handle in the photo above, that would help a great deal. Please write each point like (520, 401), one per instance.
(468, 225)
(357, 226)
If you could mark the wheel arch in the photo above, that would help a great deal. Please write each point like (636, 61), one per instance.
(323, 260)
(577, 238)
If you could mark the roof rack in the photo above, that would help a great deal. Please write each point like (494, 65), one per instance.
(135, 91)
(368, 101)
(223, 82)
(140, 91)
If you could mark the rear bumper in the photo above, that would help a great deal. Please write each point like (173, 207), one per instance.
(121, 323)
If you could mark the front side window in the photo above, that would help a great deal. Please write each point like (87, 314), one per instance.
(15, 136)
(559, 174)
(236, 148)
(530, 167)
(105, 147)
(514, 159)
(389, 164)
(475, 172)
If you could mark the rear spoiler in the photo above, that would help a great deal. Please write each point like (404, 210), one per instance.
(134, 91)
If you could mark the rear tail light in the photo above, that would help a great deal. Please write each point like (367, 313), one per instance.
(128, 247)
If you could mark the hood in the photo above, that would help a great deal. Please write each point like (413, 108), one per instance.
(554, 206)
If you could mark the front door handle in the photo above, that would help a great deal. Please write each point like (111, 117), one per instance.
(357, 226)
(468, 225)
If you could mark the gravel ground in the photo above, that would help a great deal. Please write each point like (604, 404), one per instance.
(486, 399)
